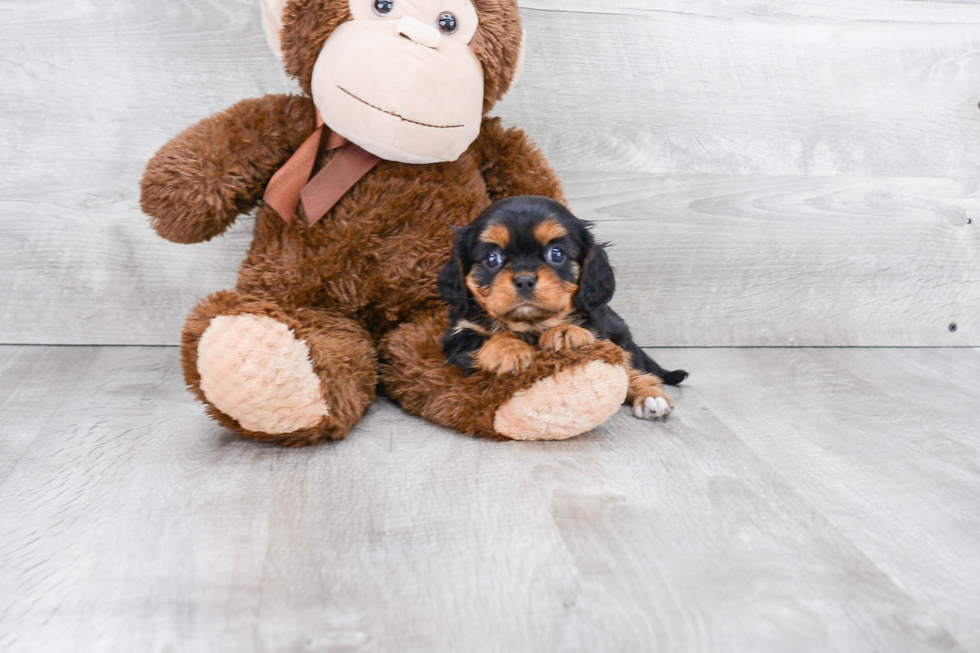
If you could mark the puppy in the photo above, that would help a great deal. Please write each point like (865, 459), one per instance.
(527, 273)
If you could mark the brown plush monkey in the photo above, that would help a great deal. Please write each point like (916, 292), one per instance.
(339, 289)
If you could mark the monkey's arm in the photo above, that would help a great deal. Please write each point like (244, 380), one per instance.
(199, 182)
(512, 164)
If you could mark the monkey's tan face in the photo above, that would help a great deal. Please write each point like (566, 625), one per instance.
(401, 81)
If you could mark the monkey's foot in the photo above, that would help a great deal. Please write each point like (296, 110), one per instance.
(559, 407)
(257, 372)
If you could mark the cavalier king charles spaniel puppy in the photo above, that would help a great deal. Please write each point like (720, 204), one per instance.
(528, 274)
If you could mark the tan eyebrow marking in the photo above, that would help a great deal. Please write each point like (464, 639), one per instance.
(496, 234)
(548, 230)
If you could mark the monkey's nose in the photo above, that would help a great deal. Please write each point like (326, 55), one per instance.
(414, 29)
(525, 283)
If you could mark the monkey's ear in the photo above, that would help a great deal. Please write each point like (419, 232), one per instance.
(596, 283)
(272, 11)
(519, 70)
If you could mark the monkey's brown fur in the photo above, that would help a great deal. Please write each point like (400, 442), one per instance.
(359, 287)
(414, 368)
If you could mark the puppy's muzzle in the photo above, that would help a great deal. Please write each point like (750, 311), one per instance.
(525, 284)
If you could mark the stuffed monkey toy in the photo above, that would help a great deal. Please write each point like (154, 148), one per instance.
(358, 182)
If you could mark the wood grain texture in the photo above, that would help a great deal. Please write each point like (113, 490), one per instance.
(762, 261)
(792, 173)
(90, 91)
(795, 501)
(885, 446)
(877, 88)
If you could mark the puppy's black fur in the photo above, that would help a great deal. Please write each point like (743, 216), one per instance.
(585, 263)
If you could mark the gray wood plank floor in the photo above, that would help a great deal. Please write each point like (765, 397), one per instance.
(799, 500)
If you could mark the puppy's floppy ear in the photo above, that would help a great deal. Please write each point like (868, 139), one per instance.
(596, 283)
(452, 279)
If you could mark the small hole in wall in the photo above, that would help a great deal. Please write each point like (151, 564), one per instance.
(969, 220)
(953, 328)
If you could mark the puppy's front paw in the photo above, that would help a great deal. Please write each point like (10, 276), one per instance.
(647, 396)
(504, 353)
(566, 336)
(652, 407)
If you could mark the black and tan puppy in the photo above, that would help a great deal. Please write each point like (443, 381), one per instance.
(527, 273)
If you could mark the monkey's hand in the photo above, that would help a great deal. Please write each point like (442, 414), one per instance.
(199, 182)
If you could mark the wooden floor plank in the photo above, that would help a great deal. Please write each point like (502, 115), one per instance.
(884, 444)
(128, 521)
(29, 408)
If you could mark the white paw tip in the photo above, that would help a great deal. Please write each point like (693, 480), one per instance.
(652, 408)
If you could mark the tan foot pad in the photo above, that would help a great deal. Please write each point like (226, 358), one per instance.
(564, 405)
(254, 370)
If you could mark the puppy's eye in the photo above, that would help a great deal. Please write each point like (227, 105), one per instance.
(556, 255)
(494, 260)
(447, 23)
(383, 7)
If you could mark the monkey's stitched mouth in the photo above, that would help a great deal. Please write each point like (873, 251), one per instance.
(400, 117)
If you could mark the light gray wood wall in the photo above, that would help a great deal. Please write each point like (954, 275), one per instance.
(770, 172)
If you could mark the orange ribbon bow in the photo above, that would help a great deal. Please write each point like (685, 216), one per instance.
(292, 186)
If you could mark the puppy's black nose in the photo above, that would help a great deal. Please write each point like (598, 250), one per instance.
(525, 282)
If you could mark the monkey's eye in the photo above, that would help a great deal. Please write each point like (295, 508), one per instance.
(447, 23)
(494, 260)
(556, 255)
(383, 7)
